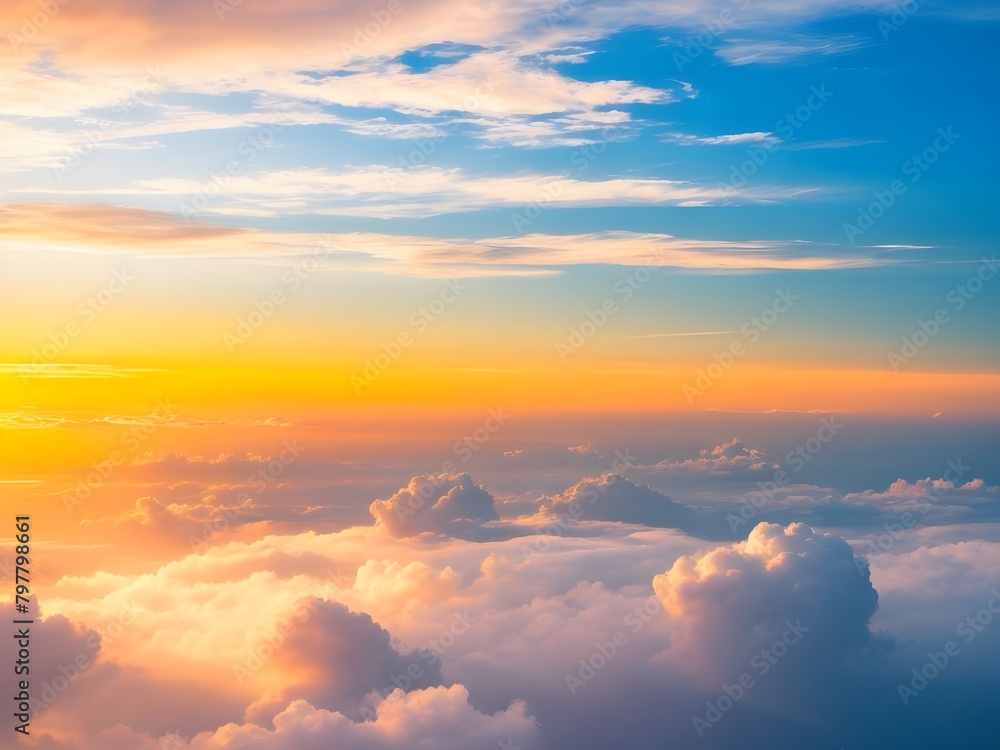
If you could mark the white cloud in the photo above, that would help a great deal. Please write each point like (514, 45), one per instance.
(442, 503)
(120, 230)
(727, 458)
(736, 139)
(784, 50)
(392, 192)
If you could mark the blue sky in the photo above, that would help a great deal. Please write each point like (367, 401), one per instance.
(496, 325)
(779, 130)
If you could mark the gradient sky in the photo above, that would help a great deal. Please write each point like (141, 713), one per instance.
(266, 269)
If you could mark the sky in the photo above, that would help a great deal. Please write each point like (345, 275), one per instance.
(400, 373)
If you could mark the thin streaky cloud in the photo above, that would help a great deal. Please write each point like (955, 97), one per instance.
(116, 230)
(778, 51)
(685, 333)
(832, 143)
(733, 139)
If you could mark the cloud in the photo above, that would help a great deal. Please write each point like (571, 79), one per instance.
(385, 192)
(575, 129)
(443, 504)
(164, 415)
(152, 520)
(612, 497)
(173, 118)
(338, 657)
(107, 229)
(488, 83)
(64, 371)
(933, 501)
(438, 717)
(727, 458)
(832, 143)
(347, 54)
(735, 600)
(693, 618)
(689, 90)
(62, 642)
(736, 139)
(789, 49)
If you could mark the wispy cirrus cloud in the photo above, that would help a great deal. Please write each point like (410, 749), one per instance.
(734, 139)
(105, 229)
(61, 371)
(386, 192)
(832, 143)
(785, 50)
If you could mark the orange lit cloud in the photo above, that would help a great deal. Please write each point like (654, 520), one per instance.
(138, 232)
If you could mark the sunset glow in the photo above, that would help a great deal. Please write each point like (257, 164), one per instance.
(530, 375)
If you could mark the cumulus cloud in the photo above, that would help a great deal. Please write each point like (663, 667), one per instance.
(726, 458)
(60, 649)
(339, 657)
(693, 618)
(433, 718)
(734, 601)
(924, 502)
(152, 526)
(612, 497)
(172, 521)
(445, 503)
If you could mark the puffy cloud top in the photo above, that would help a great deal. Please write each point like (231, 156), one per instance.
(735, 600)
(612, 497)
(443, 504)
